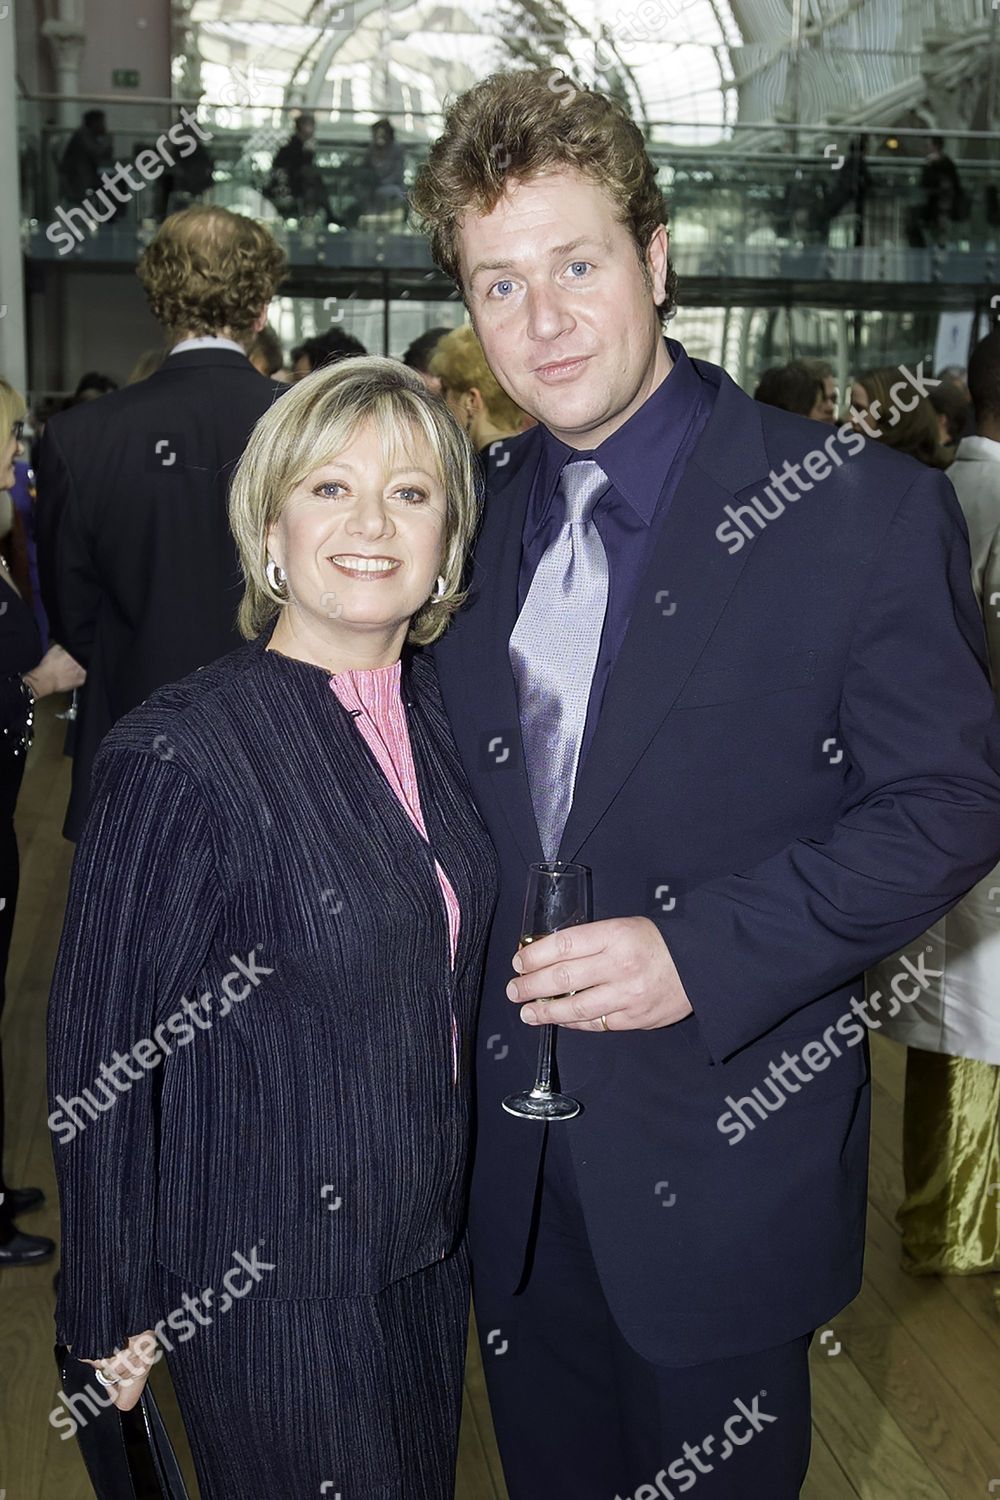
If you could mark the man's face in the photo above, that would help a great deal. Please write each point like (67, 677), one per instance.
(557, 296)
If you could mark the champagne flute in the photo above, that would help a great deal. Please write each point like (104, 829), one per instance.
(558, 896)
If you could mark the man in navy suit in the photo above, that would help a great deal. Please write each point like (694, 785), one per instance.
(777, 752)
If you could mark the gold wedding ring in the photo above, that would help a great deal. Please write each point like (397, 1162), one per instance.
(604, 1023)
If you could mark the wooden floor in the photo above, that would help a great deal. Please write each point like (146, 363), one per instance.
(907, 1387)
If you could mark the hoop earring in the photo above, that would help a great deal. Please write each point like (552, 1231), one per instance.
(275, 575)
(439, 591)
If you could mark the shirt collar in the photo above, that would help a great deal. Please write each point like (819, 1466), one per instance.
(645, 445)
(978, 448)
(210, 341)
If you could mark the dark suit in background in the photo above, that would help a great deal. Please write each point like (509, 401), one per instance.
(138, 567)
(790, 767)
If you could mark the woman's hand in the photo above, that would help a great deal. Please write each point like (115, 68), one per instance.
(130, 1368)
(57, 672)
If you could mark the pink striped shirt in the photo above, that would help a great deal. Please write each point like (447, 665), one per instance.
(382, 721)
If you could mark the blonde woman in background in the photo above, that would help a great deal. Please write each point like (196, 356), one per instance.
(473, 393)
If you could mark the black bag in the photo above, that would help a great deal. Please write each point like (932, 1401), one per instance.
(128, 1455)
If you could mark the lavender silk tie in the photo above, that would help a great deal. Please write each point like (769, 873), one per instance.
(553, 650)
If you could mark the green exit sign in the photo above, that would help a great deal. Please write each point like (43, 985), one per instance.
(125, 78)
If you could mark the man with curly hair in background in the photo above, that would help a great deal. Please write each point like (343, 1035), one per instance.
(138, 567)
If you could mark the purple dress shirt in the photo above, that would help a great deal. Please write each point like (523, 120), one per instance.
(644, 460)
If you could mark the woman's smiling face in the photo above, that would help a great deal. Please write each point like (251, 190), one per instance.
(360, 540)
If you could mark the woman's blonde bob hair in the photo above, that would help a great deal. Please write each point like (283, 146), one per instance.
(308, 427)
(12, 409)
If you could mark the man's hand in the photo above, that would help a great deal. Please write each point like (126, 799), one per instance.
(131, 1367)
(620, 969)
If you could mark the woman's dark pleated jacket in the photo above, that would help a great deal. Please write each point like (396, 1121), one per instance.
(239, 818)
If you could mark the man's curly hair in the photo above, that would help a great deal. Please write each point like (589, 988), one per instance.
(209, 269)
(512, 126)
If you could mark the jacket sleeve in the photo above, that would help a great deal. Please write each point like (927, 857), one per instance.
(143, 904)
(921, 820)
(71, 590)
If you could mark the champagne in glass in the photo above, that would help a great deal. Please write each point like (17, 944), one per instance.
(558, 896)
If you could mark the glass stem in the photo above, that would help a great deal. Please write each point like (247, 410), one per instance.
(543, 1080)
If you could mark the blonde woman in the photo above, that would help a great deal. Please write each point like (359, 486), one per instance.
(26, 674)
(283, 887)
(473, 392)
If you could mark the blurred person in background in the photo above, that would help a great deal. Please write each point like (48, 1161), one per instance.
(295, 185)
(189, 177)
(383, 171)
(317, 752)
(324, 349)
(474, 395)
(792, 387)
(138, 568)
(266, 353)
(89, 387)
(147, 364)
(88, 153)
(418, 356)
(953, 404)
(825, 407)
(950, 1215)
(905, 420)
(849, 189)
(944, 201)
(27, 673)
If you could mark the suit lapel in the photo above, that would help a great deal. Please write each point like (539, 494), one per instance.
(683, 592)
(488, 725)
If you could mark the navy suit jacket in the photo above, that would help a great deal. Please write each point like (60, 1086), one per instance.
(794, 772)
(138, 566)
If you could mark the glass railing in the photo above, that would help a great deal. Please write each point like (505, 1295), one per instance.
(760, 189)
